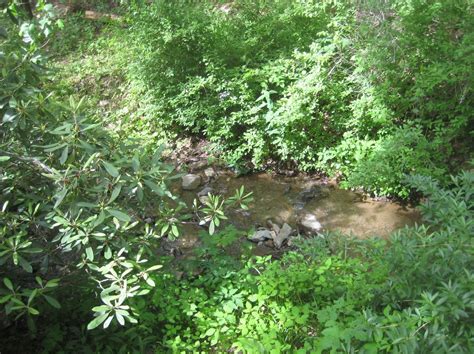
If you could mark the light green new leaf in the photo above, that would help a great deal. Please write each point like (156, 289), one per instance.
(211, 228)
(210, 332)
(97, 321)
(90, 254)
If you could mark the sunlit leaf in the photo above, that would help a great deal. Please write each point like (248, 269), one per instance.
(97, 321)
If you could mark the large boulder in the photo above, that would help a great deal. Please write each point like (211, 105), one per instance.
(190, 182)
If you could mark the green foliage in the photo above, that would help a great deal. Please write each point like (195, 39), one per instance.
(380, 166)
(338, 294)
(345, 88)
(78, 200)
(412, 294)
(85, 200)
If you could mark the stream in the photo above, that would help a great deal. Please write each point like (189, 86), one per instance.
(284, 199)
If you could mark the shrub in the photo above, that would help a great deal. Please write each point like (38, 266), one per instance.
(299, 82)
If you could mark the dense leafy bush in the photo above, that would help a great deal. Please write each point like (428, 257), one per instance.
(79, 200)
(320, 85)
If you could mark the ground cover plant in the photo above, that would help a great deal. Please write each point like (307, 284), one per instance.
(378, 93)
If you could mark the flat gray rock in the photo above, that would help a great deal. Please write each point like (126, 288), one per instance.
(190, 182)
(261, 235)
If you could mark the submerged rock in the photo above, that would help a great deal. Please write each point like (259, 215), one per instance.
(205, 191)
(310, 224)
(204, 199)
(190, 182)
(308, 194)
(209, 172)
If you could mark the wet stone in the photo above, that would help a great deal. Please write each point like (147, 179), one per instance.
(282, 235)
(310, 223)
(261, 235)
(190, 182)
(205, 191)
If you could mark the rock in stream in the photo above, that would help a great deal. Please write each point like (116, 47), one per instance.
(190, 182)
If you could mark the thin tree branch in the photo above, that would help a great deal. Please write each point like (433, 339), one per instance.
(31, 160)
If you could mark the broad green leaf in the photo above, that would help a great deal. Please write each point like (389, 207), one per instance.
(210, 332)
(135, 164)
(97, 321)
(52, 283)
(60, 220)
(64, 155)
(25, 264)
(32, 296)
(155, 267)
(119, 215)
(120, 318)
(115, 193)
(60, 197)
(52, 301)
(111, 169)
(39, 281)
(4, 158)
(9, 116)
(54, 147)
(90, 254)
(109, 320)
(211, 227)
(108, 253)
(150, 282)
(154, 187)
(174, 230)
(5, 298)
(8, 283)
(86, 205)
(101, 308)
(33, 311)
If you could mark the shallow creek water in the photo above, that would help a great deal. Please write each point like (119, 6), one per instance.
(279, 198)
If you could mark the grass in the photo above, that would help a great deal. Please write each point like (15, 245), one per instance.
(90, 63)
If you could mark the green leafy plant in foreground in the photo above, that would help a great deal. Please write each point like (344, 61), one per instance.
(78, 202)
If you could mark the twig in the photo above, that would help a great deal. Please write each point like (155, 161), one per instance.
(32, 160)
